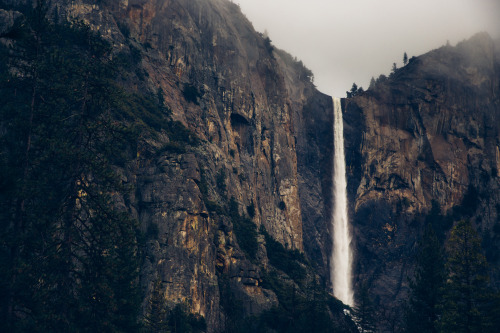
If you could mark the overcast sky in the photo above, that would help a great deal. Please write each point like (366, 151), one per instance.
(352, 40)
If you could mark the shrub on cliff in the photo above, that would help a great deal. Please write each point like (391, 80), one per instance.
(245, 230)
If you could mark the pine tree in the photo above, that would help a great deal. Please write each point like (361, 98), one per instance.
(353, 92)
(372, 83)
(405, 59)
(70, 257)
(423, 310)
(18, 110)
(394, 68)
(156, 320)
(466, 291)
(364, 311)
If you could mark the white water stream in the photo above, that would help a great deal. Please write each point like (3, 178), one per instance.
(341, 259)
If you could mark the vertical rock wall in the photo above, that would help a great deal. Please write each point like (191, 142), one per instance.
(428, 135)
(221, 80)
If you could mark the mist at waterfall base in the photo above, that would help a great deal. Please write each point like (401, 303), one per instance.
(341, 259)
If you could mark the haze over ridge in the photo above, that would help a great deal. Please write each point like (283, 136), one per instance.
(350, 41)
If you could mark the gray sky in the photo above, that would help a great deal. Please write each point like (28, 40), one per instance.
(352, 40)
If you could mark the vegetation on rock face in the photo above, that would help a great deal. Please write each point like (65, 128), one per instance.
(364, 311)
(191, 94)
(159, 319)
(180, 320)
(289, 261)
(304, 73)
(304, 305)
(423, 310)
(245, 230)
(156, 316)
(467, 296)
(355, 90)
(69, 256)
(455, 297)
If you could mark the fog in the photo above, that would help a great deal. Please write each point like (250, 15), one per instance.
(352, 40)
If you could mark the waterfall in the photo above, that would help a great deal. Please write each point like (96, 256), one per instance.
(341, 259)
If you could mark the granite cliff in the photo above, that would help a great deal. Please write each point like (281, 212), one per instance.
(213, 208)
(423, 149)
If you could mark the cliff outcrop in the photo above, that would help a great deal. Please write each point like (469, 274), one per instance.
(212, 207)
(424, 144)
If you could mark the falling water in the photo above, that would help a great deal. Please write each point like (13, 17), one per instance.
(341, 260)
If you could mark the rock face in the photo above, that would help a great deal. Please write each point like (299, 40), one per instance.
(222, 81)
(240, 106)
(313, 119)
(255, 113)
(427, 136)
